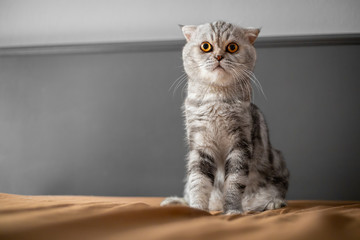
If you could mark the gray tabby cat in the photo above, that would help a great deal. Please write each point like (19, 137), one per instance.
(231, 166)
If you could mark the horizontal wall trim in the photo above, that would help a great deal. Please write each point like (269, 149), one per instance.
(175, 45)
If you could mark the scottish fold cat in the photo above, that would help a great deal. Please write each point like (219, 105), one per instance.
(231, 164)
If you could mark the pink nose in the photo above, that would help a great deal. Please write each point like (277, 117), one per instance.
(219, 57)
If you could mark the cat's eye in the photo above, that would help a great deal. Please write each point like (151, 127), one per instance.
(232, 47)
(206, 47)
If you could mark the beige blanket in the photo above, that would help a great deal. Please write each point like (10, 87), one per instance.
(80, 217)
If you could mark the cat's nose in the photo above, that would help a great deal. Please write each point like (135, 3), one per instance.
(219, 57)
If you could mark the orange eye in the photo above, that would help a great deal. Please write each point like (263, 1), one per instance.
(206, 47)
(232, 47)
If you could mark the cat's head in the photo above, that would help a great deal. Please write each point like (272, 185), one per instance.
(219, 53)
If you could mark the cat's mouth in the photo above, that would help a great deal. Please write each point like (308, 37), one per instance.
(218, 67)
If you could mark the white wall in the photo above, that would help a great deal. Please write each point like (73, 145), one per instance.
(38, 22)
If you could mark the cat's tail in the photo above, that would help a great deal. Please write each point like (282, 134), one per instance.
(174, 201)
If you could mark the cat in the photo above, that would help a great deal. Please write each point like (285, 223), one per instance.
(231, 165)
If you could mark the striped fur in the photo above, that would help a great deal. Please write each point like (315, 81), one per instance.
(231, 164)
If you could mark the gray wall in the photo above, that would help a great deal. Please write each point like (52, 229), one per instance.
(107, 124)
(48, 22)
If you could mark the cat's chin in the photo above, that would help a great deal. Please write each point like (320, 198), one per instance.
(219, 77)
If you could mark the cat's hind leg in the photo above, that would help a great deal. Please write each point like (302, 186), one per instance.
(275, 204)
(265, 198)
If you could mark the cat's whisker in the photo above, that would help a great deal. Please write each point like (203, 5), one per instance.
(244, 83)
(183, 89)
(177, 86)
(257, 83)
(235, 63)
(250, 75)
(248, 87)
(236, 76)
(246, 78)
(178, 82)
(184, 79)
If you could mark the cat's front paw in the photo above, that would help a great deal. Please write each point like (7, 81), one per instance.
(233, 212)
(173, 201)
(199, 206)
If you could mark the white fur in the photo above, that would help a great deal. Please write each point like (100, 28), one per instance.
(219, 124)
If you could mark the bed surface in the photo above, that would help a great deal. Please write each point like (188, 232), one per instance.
(89, 217)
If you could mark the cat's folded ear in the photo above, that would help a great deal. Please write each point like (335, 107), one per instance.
(252, 34)
(188, 31)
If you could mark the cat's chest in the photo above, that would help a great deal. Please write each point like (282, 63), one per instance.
(217, 120)
(220, 115)
(216, 126)
(217, 113)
